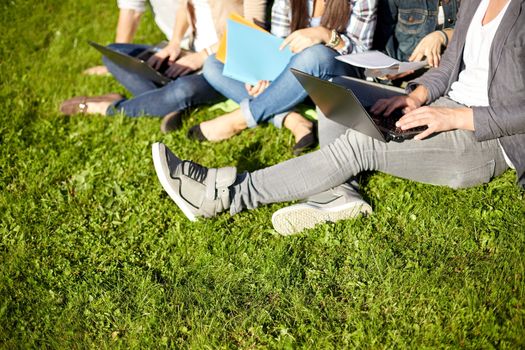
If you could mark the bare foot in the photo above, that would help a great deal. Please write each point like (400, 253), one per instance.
(97, 107)
(298, 125)
(224, 127)
(97, 70)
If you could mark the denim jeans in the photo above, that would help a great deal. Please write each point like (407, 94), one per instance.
(453, 158)
(153, 99)
(285, 92)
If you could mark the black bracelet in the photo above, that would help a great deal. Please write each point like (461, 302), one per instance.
(446, 37)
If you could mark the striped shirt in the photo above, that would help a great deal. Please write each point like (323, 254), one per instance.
(359, 31)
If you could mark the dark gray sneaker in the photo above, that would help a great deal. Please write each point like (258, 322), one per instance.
(197, 190)
(171, 122)
(339, 203)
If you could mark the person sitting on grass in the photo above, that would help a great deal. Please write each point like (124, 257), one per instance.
(475, 131)
(130, 14)
(189, 88)
(316, 31)
(415, 30)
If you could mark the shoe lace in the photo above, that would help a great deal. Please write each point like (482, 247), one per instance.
(195, 171)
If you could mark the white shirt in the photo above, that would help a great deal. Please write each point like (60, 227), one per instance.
(471, 88)
(163, 11)
(206, 33)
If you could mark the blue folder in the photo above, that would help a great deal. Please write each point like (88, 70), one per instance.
(253, 55)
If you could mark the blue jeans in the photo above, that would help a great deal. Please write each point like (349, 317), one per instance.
(153, 99)
(285, 92)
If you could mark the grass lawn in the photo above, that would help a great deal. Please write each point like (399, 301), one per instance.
(93, 253)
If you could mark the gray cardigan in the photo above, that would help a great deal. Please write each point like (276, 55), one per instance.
(505, 117)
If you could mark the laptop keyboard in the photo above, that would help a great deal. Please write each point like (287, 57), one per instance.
(389, 122)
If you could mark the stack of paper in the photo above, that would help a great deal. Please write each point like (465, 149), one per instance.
(378, 64)
(252, 54)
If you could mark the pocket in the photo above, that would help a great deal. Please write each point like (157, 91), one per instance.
(475, 176)
(412, 21)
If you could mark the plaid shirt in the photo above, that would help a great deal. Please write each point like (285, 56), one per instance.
(359, 32)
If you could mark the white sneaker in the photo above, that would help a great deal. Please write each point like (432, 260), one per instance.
(333, 205)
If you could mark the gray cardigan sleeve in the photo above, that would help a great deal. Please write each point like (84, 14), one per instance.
(502, 120)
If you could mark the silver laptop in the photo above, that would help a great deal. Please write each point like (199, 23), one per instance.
(347, 101)
(137, 64)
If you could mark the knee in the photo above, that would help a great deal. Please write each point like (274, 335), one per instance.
(212, 69)
(311, 59)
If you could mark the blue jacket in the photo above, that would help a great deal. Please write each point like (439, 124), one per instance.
(401, 24)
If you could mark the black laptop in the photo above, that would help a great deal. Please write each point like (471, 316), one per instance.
(347, 101)
(139, 63)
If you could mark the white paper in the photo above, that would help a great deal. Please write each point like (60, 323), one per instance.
(369, 59)
(378, 64)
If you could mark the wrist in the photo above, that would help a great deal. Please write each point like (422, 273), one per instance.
(334, 41)
(325, 35)
(466, 119)
(204, 53)
(173, 44)
(419, 95)
(443, 36)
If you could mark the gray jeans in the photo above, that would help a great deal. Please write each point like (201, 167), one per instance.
(453, 158)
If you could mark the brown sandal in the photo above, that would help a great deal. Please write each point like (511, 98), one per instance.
(78, 105)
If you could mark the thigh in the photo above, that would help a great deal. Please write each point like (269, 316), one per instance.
(319, 61)
(231, 88)
(454, 158)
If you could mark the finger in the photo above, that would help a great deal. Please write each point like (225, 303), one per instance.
(418, 117)
(152, 61)
(262, 87)
(248, 88)
(424, 134)
(178, 69)
(287, 41)
(379, 106)
(256, 88)
(397, 103)
(415, 53)
(170, 73)
(185, 71)
(418, 57)
(436, 59)
(173, 71)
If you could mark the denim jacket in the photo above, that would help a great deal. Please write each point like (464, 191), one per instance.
(402, 24)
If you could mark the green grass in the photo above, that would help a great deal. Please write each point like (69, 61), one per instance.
(93, 254)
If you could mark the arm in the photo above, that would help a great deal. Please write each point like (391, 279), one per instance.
(129, 18)
(255, 10)
(172, 50)
(358, 36)
(437, 79)
(281, 18)
(502, 120)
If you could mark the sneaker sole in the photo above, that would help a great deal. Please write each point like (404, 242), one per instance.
(294, 219)
(164, 181)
